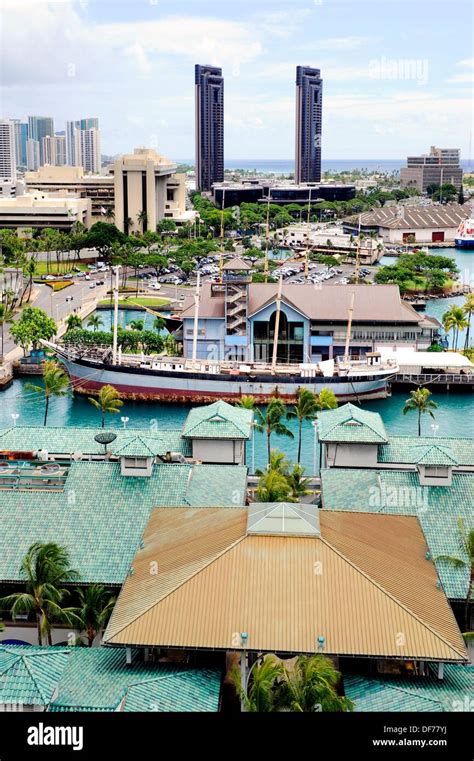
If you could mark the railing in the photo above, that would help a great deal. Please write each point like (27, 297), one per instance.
(27, 475)
(422, 378)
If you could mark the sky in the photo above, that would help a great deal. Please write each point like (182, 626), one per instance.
(397, 75)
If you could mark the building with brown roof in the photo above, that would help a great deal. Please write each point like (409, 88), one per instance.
(286, 578)
(237, 321)
(433, 223)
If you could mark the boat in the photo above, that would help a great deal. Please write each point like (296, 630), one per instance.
(465, 234)
(178, 379)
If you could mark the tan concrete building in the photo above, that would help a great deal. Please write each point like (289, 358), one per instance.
(42, 210)
(72, 179)
(146, 182)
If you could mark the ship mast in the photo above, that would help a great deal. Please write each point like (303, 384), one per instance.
(306, 260)
(349, 326)
(221, 254)
(196, 317)
(277, 324)
(358, 254)
(116, 305)
(267, 238)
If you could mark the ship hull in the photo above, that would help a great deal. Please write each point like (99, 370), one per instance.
(464, 242)
(145, 384)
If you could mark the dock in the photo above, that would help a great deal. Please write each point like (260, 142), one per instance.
(464, 380)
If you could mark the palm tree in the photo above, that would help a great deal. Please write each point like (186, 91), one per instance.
(273, 486)
(247, 402)
(420, 400)
(260, 696)
(298, 483)
(95, 321)
(270, 422)
(455, 319)
(109, 214)
(136, 324)
(171, 346)
(29, 269)
(158, 324)
(142, 218)
(45, 569)
(73, 321)
(307, 406)
(6, 315)
(466, 549)
(468, 309)
(95, 607)
(129, 224)
(108, 401)
(309, 686)
(56, 383)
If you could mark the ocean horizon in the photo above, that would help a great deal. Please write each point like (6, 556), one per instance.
(286, 166)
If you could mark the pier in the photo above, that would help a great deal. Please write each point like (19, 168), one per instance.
(466, 380)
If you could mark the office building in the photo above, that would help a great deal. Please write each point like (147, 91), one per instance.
(54, 150)
(40, 210)
(439, 167)
(21, 136)
(226, 194)
(7, 150)
(32, 155)
(209, 91)
(309, 93)
(87, 149)
(72, 180)
(39, 127)
(71, 128)
(147, 190)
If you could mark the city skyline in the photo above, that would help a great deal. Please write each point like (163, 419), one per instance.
(386, 87)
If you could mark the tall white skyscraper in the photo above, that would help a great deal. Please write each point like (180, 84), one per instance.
(32, 155)
(73, 158)
(87, 149)
(7, 150)
(53, 150)
(39, 127)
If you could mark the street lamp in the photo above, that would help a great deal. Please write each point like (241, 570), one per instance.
(314, 423)
(14, 416)
(434, 428)
(124, 420)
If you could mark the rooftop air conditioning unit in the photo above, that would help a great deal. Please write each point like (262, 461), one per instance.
(177, 457)
(43, 455)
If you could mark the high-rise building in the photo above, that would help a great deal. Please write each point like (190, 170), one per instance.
(21, 136)
(209, 88)
(53, 150)
(439, 167)
(71, 128)
(39, 127)
(87, 149)
(32, 155)
(309, 97)
(7, 150)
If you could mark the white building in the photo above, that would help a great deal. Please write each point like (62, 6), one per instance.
(32, 155)
(53, 150)
(7, 150)
(87, 149)
(435, 223)
(147, 190)
(370, 249)
(41, 210)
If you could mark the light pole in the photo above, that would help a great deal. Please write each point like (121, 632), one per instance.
(434, 428)
(15, 417)
(314, 424)
(124, 420)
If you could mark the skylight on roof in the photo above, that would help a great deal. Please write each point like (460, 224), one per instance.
(283, 519)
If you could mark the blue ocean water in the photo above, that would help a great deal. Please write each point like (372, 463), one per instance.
(286, 166)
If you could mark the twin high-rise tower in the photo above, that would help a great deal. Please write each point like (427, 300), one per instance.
(209, 89)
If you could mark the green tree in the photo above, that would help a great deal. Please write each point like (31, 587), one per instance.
(247, 402)
(300, 486)
(468, 309)
(310, 686)
(95, 321)
(108, 401)
(306, 407)
(29, 269)
(45, 570)
(455, 319)
(6, 315)
(33, 325)
(73, 321)
(142, 218)
(420, 402)
(466, 550)
(273, 486)
(95, 606)
(136, 324)
(270, 422)
(170, 346)
(56, 383)
(158, 324)
(260, 695)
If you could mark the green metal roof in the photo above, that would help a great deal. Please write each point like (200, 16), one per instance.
(68, 440)
(218, 421)
(438, 509)
(29, 675)
(351, 424)
(100, 516)
(406, 449)
(434, 454)
(99, 679)
(421, 694)
(140, 445)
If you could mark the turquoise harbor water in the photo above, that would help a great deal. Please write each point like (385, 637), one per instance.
(453, 418)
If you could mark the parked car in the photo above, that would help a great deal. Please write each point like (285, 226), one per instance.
(88, 277)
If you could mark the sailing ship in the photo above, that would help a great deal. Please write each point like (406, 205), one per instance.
(465, 234)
